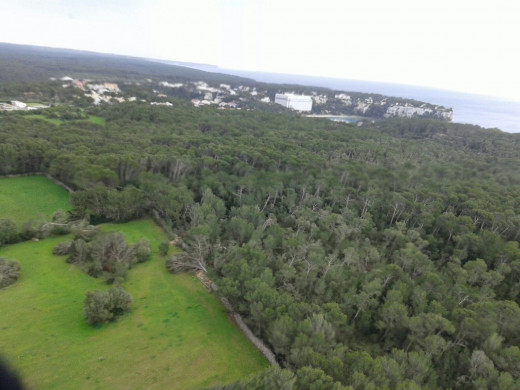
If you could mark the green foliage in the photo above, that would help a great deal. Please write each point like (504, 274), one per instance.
(142, 250)
(382, 257)
(32, 229)
(63, 248)
(107, 204)
(172, 316)
(268, 379)
(164, 247)
(105, 255)
(9, 272)
(8, 232)
(102, 307)
(306, 378)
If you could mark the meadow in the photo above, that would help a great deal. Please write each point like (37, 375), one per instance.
(56, 121)
(30, 197)
(177, 335)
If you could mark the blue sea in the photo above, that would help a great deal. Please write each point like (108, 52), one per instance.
(479, 110)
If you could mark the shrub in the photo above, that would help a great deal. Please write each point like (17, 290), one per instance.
(81, 229)
(59, 216)
(97, 308)
(9, 272)
(142, 250)
(79, 251)
(31, 229)
(63, 248)
(103, 307)
(164, 247)
(104, 255)
(8, 232)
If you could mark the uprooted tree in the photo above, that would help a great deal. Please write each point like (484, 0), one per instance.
(194, 258)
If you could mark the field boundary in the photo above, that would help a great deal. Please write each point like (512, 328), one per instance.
(259, 344)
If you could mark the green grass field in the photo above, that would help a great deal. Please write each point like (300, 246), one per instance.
(97, 120)
(177, 335)
(29, 197)
(91, 118)
(54, 121)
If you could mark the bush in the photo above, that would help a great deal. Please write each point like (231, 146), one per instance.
(59, 216)
(104, 255)
(63, 248)
(8, 232)
(103, 307)
(164, 247)
(31, 229)
(142, 250)
(81, 229)
(9, 272)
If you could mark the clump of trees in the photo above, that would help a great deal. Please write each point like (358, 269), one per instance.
(306, 378)
(103, 255)
(104, 204)
(9, 272)
(103, 307)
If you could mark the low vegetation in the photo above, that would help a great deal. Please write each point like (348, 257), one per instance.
(105, 306)
(9, 272)
(105, 255)
(164, 248)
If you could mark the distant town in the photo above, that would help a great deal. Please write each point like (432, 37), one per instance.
(225, 96)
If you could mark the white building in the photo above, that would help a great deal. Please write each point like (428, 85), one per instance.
(169, 85)
(161, 104)
(296, 102)
(17, 105)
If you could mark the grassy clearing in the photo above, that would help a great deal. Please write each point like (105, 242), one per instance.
(97, 120)
(91, 118)
(177, 336)
(29, 197)
(54, 121)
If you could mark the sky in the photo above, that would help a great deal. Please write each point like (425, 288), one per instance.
(463, 45)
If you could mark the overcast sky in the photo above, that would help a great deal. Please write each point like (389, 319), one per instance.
(464, 45)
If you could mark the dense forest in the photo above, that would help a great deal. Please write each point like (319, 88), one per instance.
(381, 257)
(29, 64)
